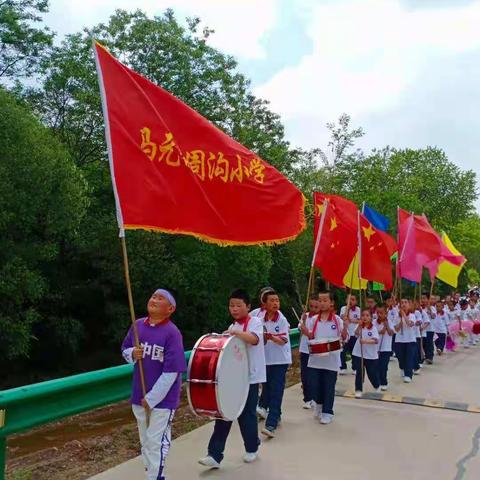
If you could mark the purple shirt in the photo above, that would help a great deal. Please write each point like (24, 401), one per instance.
(163, 352)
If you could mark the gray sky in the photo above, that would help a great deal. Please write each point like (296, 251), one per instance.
(407, 71)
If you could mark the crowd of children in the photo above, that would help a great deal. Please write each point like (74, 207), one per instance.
(412, 331)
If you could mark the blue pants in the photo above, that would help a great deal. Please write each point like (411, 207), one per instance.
(406, 353)
(323, 388)
(347, 348)
(419, 357)
(383, 360)
(272, 393)
(248, 424)
(371, 366)
(305, 374)
(440, 341)
(428, 346)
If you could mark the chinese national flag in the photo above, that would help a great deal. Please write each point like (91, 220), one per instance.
(173, 171)
(376, 248)
(338, 241)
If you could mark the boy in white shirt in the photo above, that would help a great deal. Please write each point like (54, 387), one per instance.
(260, 311)
(313, 309)
(418, 333)
(352, 323)
(428, 311)
(278, 356)
(325, 368)
(372, 306)
(366, 349)
(405, 339)
(440, 327)
(385, 327)
(250, 330)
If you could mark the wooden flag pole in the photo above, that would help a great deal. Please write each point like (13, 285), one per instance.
(133, 317)
(359, 270)
(315, 250)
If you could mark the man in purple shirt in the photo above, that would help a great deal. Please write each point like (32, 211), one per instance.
(163, 359)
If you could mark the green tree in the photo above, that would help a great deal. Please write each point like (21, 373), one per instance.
(42, 200)
(22, 45)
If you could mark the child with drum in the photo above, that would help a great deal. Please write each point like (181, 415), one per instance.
(365, 353)
(325, 332)
(163, 360)
(278, 356)
(250, 330)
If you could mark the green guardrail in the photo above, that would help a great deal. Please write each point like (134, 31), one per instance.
(26, 407)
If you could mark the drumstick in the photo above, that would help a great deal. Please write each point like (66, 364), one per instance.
(296, 315)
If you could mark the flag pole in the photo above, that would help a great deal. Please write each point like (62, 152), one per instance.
(119, 215)
(359, 270)
(315, 250)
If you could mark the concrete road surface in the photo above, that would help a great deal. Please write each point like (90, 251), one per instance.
(368, 440)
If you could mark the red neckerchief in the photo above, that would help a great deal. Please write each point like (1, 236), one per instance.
(370, 327)
(244, 321)
(373, 310)
(311, 314)
(147, 322)
(275, 318)
(331, 318)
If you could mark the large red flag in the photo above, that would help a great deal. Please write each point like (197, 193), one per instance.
(338, 243)
(376, 248)
(174, 171)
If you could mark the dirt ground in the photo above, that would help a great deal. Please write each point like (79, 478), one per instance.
(84, 445)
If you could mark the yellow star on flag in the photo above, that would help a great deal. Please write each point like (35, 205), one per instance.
(368, 232)
(333, 224)
(320, 208)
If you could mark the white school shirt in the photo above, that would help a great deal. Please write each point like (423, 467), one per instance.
(408, 335)
(426, 318)
(329, 329)
(303, 347)
(452, 316)
(418, 318)
(370, 351)
(384, 339)
(278, 354)
(256, 353)
(472, 313)
(258, 312)
(440, 323)
(353, 314)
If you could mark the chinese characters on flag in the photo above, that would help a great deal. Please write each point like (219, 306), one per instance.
(173, 171)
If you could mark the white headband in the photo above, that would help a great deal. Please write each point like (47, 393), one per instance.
(167, 295)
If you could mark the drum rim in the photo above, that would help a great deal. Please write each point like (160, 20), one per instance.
(190, 361)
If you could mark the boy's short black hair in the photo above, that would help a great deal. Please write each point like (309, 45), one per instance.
(372, 296)
(381, 305)
(387, 296)
(240, 294)
(314, 296)
(326, 292)
(426, 294)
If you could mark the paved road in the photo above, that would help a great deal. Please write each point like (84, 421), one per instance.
(368, 440)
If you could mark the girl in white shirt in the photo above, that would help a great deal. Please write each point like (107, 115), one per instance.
(366, 348)
(405, 339)
(440, 326)
(385, 331)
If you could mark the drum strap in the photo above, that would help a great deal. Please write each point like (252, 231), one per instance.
(331, 317)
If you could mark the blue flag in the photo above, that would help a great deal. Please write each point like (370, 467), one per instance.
(376, 219)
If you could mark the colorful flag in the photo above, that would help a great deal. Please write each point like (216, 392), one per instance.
(447, 268)
(338, 244)
(378, 220)
(376, 248)
(173, 171)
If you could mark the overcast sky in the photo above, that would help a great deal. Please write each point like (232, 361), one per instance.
(407, 71)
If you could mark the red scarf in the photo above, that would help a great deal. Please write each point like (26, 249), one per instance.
(275, 318)
(331, 318)
(244, 321)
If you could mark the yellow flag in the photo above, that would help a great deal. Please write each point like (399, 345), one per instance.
(351, 277)
(448, 272)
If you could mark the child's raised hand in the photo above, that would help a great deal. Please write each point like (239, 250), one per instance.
(137, 353)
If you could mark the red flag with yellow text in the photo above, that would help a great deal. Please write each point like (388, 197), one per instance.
(173, 171)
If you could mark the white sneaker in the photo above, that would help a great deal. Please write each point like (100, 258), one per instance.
(307, 405)
(354, 372)
(317, 410)
(262, 413)
(268, 432)
(383, 388)
(250, 457)
(342, 371)
(358, 394)
(326, 418)
(416, 372)
(407, 380)
(421, 365)
(209, 461)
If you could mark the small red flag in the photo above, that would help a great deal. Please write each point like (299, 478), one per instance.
(376, 248)
(338, 242)
(173, 171)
